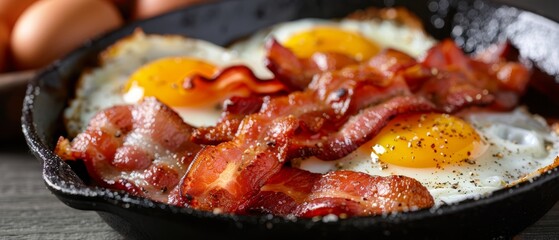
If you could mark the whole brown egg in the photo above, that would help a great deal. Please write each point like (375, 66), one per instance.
(49, 29)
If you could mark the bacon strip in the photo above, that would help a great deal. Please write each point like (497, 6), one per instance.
(234, 110)
(144, 149)
(231, 81)
(283, 192)
(297, 73)
(461, 81)
(226, 176)
(359, 194)
(331, 98)
(364, 126)
(305, 194)
(324, 115)
(235, 77)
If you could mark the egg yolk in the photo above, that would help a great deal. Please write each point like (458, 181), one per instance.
(330, 39)
(426, 140)
(164, 79)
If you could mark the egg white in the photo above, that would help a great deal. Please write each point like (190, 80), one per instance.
(102, 87)
(519, 146)
(386, 33)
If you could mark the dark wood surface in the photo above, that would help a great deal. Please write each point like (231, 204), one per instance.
(29, 211)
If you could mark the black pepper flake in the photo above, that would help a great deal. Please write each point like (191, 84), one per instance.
(469, 161)
(498, 155)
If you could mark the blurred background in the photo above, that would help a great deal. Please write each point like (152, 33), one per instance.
(34, 33)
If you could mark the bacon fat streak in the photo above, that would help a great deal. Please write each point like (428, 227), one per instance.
(144, 149)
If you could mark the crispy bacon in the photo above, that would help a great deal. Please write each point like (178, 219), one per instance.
(234, 110)
(335, 105)
(363, 99)
(283, 192)
(297, 73)
(223, 177)
(231, 81)
(338, 111)
(144, 149)
(364, 126)
(359, 194)
(501, 63)
(461, 81)
(305, 194)
(226, 176)
(331, 98)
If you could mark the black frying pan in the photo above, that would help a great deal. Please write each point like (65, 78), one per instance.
(503, 214)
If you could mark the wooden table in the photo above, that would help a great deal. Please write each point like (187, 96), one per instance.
(29, 211)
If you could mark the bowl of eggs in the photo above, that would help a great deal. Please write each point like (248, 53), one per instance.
(35, 33)
(306, 118)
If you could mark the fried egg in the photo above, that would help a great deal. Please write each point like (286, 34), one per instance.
(455, 157)
(150, 65)
(154, 65)
(360, 39)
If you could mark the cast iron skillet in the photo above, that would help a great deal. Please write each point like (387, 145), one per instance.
(474, 24)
